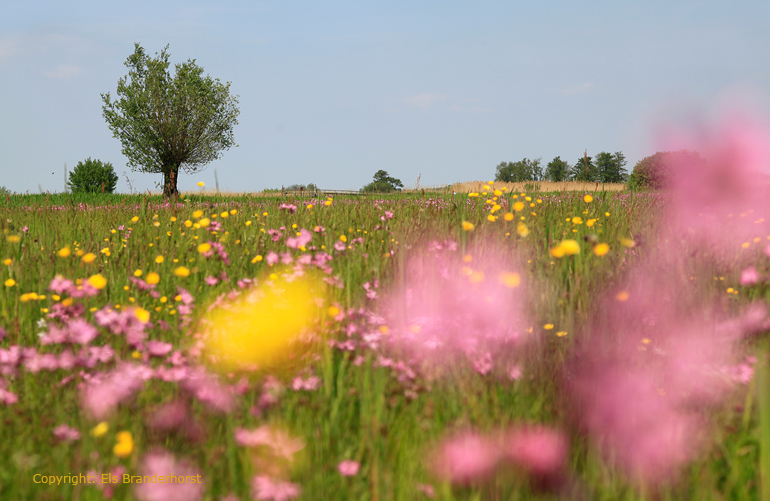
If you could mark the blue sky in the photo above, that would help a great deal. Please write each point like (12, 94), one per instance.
(330, 92)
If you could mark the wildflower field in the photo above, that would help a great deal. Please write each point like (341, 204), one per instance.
(492, 345)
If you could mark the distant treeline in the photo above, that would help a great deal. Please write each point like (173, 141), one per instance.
(604, 168)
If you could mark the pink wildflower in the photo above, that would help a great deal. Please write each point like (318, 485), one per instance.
(66, 433)
(749, 276)
(269, 489)
(162, 463)
(348, 468)
(304, 238)
(466, 458)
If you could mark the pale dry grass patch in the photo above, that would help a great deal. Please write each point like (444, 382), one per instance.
(530, 186)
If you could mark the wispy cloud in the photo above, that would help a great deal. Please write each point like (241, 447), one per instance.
(424, 100)
(576, 89)
(8, 48)
(63, 71)
(467, 109)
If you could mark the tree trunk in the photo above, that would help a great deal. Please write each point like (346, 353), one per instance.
(170, 177)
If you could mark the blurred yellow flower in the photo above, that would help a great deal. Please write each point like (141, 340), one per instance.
(622, 296)
(224, 215)
(100, 429)
(159, 259)
(260, 327)
(468, 226)
(561, 333)
(204, 248)
(182, 272)
(135, 219)
(309, 206)
(333, 311)
(256, 259)
(125, 444)
(522, 229)
(476, 277)
(498, 193)
(64, 252)
(588, 199)
(8, 261)
(571, 247)
(548, 327)
(10, 282)
(590, 222)
(88, 257)
(343, 238)
(202, 184)
(557, 251)
(142, 315)
(234, 212)
(577, 220)
(197, 214)
(97, 281)
(491, 218)
(204, 222)
(627, 242)
(518, 206)
(138, 273)
(153, 278)
(510, 280)
(508, 216)
(601, 249)
(14, 239)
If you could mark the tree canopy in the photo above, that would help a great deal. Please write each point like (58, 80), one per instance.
(517, 172)
(167, 122)
(557, 170)
(383, 183)
(92, 176)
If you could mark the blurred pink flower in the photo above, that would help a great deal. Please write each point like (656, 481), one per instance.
(269, 489)
(721, 200)
(466, 458)
(163, 463)
(159, 348)
(65, 433)
(749, 276)
(304, 238)
(447, 310)
(280, 442)
(348, 468)
(539, 450)
(209, 390)
(7, 397)
(102, 395)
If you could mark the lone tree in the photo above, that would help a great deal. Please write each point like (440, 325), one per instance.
(93, 176)
(167, 122)
(383, 183)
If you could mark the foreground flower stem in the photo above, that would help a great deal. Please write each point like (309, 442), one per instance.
(763, 387)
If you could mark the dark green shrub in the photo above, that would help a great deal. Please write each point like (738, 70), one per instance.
(5, 191)
(383, 183)
(93, 176)
(654, 172)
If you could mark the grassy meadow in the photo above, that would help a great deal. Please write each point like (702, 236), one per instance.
(110, 372)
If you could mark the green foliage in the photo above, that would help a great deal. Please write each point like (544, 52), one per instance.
(5, 191)
(610, 168)
(167, 122)
(298, 187)
(557, 170)
(654, 172)
(584, 170)
(517, 172)
(92, 176)
(383, 183)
